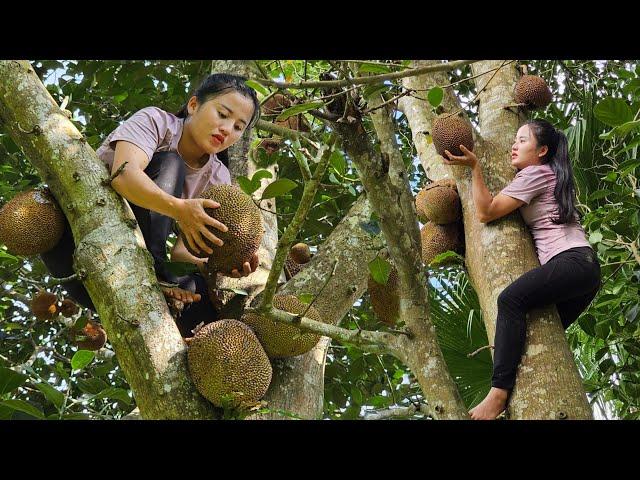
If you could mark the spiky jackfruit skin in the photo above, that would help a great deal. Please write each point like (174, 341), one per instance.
(532, 91)
(228, 365)
(291, 268)
(449, 132)
(439, 202)
(300, 253)
(385, 299)
(238, 212)
(437, 239)
(94, 335)
(31, 223)
(282, 340)
(44, 305)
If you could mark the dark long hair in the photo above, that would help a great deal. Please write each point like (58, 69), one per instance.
(218, 84)
(557, 157)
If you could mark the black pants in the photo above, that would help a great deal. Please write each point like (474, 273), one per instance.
(167, 170)
(570, 280)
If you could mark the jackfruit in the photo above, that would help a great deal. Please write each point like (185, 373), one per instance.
(228, 365)
(439, 202)
(437, 239)
(385, 299)
(91, 337)
(31, 223)
(281, 339)
(69, 308)
(291, 268)
(449, 132)
(300, 253)
(276, 105)
(533, 91)
(238, 212)
(44, 305)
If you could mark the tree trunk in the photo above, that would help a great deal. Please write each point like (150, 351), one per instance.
(118, 269)
(548, 384)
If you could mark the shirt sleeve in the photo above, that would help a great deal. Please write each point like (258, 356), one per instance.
(146, 129)
(527, 184)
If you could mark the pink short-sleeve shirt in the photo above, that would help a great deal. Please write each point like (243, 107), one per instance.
(534, 185)
(154, 130)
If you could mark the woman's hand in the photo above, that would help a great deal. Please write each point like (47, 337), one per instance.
(469, 158)
(247, 269)
(193, 220)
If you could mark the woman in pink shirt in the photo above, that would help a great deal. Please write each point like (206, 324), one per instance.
(171, 159)
(569, 275)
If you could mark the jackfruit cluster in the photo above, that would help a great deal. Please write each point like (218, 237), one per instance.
(31, 223)
(44, 305)
(533, 91)
(279, 339)
(385, 298)
(449, 132)
(228, 365)
(244, 221)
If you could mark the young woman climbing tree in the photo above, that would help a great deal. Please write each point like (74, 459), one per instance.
(171, 159)
(569, 275)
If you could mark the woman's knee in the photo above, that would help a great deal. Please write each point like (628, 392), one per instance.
(167, 170)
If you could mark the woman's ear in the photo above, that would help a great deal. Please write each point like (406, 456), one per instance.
(192, 105)
(543, 151)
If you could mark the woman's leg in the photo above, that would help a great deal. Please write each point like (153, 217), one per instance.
(167, 171)
(567, 276)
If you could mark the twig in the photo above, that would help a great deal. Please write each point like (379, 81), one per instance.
(108, 181)
(384, 370)
(397, 97)
(285, 132)
(36, 130)
(378, 63)
(269, 211)
(474, 353)
(368, 79)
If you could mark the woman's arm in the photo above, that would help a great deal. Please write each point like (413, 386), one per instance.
(134, 185)
(488, 208)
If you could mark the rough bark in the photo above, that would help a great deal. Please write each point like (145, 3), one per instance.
(118, 269)
(548, 384)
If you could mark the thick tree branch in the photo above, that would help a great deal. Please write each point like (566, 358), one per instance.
(442, 67)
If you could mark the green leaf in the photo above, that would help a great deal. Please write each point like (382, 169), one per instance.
(373, 89)
(621, 131)
(435, 96)
(613, 111)
(54, 396)
(10, 380)
(22, 406)
(259, 175)
(115, 394)
(598, 194)
(337, 161)
(296, 109)
(373, 68)
(279, 188)
(246, 185)
(595, 237)
(92, 386)
(256, 86)
(81, 359)
(380, 269)
(306, 298)
(119, 98)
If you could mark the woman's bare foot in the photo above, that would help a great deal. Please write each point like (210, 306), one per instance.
(184, 296)
(492, 405)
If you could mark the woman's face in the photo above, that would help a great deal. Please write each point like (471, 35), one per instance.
(218, 123)
(525, 151)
